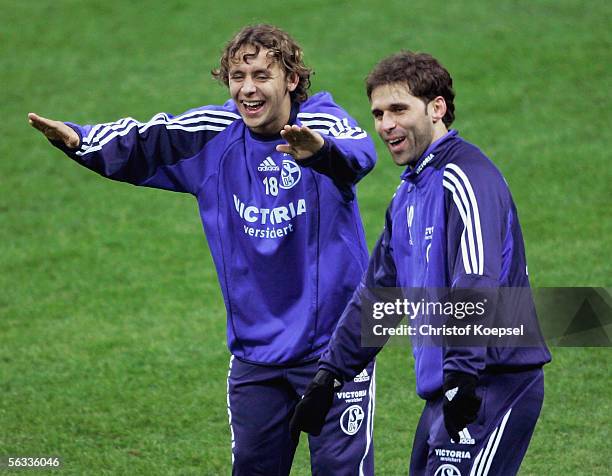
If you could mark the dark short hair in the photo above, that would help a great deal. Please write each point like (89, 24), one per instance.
(425, 77)
(282, 48)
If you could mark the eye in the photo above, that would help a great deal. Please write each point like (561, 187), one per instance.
(261, 76)
(377, 114)
(236, 76)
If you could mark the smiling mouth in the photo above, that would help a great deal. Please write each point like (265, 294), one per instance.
(396, 143)
(253, 106)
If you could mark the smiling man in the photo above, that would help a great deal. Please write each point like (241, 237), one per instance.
(406, 125)
(274, 173)
(451, 225)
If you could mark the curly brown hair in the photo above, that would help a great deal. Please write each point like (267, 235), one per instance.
(422, 73)
(282, 48)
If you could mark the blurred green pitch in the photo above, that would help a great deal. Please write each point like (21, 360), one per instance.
(112, 331)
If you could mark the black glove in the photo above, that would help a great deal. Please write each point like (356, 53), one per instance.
(461, 403)
(310, 412)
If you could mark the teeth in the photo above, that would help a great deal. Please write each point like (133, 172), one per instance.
(252, 103)
(396, 141)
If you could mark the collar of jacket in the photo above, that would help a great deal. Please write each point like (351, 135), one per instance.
(430, 157)
(295, 108)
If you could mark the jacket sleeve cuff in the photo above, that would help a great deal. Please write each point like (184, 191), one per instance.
(327, 367)
(69, 150)
(320, 154)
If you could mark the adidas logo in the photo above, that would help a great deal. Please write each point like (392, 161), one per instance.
(362, 377)
(450, 394)
(268, 165)
(465, 438)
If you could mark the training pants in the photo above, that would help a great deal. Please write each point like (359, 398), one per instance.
(495, 443)
(261, 401)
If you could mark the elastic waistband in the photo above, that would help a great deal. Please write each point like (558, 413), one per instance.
(301, 363)
(496, 370)
(489, 371)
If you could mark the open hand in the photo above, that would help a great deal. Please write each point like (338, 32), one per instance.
(301, 142)
(55, 130)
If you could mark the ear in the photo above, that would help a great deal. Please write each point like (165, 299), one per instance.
(292, 81)
(438, 108)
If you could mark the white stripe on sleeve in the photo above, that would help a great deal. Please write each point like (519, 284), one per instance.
(462, 213)
(472, 197)
(329, 124)
(458, 183)
(190, 122)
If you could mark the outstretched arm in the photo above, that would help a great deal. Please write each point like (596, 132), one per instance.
(55, 130)
(156, 153)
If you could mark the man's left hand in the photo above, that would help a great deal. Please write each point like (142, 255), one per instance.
(461, 404)
(302, 142)
(312, 409)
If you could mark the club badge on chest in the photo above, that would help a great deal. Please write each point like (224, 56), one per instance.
(279, 177)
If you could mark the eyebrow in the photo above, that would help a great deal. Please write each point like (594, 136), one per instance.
(393, 106)
(237, 69)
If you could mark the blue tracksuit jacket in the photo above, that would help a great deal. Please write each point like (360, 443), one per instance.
(452, 223)
(286, 239)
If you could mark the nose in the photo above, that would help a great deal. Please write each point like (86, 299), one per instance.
(248, 86)
(388, 122)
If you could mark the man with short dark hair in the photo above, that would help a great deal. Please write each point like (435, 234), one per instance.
(451, 225)
(274, 173)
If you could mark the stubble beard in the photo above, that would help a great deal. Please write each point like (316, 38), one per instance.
(422, 139)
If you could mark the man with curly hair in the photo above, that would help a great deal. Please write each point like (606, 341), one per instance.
(274, 173)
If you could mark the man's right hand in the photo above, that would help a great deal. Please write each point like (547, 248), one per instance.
(55, 130)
